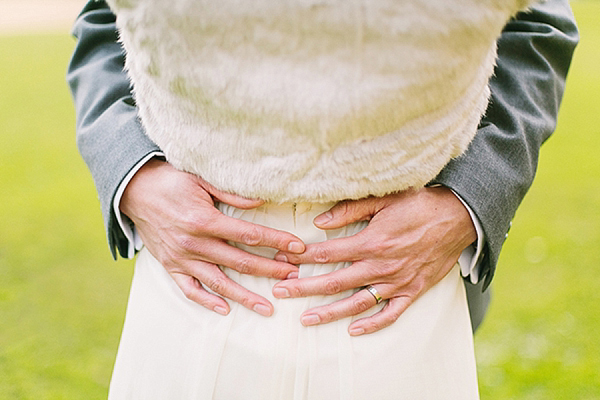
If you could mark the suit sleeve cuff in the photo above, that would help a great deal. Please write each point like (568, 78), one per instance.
(470, 258)
(127, 227)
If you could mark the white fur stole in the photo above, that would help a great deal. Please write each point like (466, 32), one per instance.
(311, 100)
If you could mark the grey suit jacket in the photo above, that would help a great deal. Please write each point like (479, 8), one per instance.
(535, 52)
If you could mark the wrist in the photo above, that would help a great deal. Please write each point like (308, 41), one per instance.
(457, 213)
(139, 184)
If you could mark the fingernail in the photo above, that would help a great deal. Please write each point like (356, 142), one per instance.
(220, 310)
(295, 247)
(323, 218)
(292, 275)
(310, 319)
(281, 293)
(356, 331)
(281, 257)
(262, 310)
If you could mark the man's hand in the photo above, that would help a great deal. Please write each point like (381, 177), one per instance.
(413, 240)
(174, 214)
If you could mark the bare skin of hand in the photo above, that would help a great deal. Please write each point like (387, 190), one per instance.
(412, 241)
(174, 213)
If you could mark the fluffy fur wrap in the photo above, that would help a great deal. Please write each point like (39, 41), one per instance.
(311, 100)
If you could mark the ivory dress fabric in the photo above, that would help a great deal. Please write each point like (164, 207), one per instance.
(172, 348)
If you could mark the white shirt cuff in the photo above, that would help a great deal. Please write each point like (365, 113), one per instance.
(128, 228)
(470, 258)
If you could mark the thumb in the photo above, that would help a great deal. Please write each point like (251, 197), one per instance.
(229, 198)
(347, 212)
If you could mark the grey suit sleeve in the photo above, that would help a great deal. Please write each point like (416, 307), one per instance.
(535, 52)
(492, 177)
(109, 135)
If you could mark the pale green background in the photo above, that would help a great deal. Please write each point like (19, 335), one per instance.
(62, 299)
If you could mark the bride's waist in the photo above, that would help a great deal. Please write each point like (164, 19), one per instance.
(295, 218)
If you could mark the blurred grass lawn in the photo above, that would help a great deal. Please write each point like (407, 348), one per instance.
(62, 299)
(541, 339)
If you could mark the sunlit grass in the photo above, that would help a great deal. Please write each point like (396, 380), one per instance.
(540, 339)
(62, 299)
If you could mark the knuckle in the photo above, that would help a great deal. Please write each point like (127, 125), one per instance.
(360, 305)
(216, 284)
(419, 285)
(332, 286)
(299, 291)
(167, 260)
(252, 236)
(412, 286)
(187, 243)
(379, 246)
(245, 301)
(243, 266)
(322, 255)
(197, 222)
(172, 259)
(279, 272)
(404, 281)
(369, 243)
(328, 315)
(394, 271)
(386, 246)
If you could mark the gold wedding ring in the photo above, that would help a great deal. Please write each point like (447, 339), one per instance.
(375, 293)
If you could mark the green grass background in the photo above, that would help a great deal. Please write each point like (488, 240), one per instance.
(62, 298)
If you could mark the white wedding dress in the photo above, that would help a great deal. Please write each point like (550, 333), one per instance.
(307, 102)
(172, 348)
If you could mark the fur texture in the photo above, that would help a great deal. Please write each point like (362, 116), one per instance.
(311, 100)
